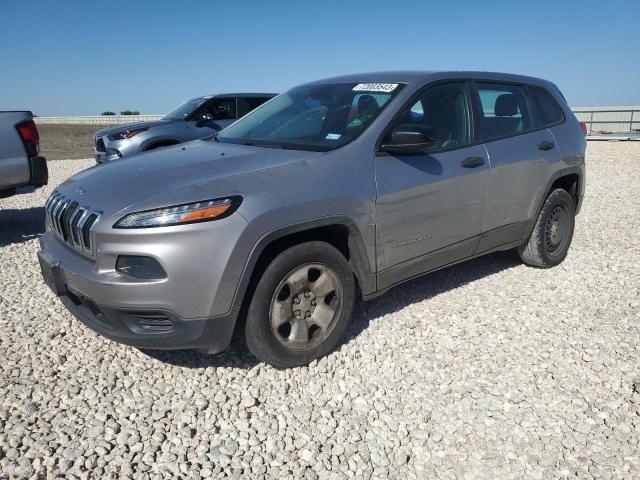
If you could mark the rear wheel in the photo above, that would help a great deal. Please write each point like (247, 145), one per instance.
(301, 305)
(552, 234)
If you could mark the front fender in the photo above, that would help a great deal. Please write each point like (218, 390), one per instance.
(359, 261)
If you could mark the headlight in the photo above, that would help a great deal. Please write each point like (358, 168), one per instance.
(181, 214)
(132, 132)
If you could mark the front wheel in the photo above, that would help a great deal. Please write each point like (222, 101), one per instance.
(301, 306)
(552, 234)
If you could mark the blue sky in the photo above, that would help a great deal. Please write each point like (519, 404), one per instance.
(84, 57)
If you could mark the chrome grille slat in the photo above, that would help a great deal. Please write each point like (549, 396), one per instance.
(56, 212)
(75, 231)
(68, 219)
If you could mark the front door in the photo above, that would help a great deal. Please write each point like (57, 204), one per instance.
(217, 114)
(429, 206)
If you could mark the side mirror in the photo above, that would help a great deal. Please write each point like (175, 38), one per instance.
(204, 119)
(410, 139)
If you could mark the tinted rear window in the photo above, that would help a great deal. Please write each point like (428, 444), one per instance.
(504, 110)
(548, 111)
(255, 102)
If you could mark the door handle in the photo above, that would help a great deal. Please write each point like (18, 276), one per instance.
(472, 162)
(546, 145)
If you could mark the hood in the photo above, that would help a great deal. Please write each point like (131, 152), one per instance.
(188, 172)
(121, 128)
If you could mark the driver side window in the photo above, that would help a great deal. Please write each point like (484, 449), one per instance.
(441, 113)
(223, 109)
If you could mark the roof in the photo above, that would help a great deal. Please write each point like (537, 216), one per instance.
(423, 76)
(227, 95)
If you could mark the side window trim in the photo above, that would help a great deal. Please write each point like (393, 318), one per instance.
(414, 99)
(476, 105)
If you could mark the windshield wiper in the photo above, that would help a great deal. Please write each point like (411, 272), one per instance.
(260, 144)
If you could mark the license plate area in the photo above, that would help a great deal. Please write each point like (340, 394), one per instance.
(52, 275)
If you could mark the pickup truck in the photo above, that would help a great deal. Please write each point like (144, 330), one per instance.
(20, 162)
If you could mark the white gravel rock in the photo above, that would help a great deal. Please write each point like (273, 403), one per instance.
(489, 369)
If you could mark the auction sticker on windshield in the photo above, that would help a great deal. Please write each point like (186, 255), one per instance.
(375, 87)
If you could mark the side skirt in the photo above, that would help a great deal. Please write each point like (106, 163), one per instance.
(502, 238)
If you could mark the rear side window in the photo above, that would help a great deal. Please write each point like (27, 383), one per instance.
(254, 102)
(504, 110)
(547, 109)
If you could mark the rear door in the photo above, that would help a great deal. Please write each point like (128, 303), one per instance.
(429, 205)
(521, 154)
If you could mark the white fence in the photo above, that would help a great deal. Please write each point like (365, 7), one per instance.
(609, 119)
(96, 120)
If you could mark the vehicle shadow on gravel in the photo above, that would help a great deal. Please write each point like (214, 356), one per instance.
(235, 356)
(21, 225)
(414, 291)
(429, 286)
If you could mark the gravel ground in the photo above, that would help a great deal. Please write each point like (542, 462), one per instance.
(489, 369)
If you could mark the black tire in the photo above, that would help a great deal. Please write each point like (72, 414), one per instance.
(268, 342)
(551, 236)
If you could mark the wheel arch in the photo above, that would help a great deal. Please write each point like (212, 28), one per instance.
(159, 142)
(570, 179)
(339, 231)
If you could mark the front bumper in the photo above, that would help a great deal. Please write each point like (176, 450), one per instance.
(143, 328)
(106, 150)
(153, 329)
(102, 157)
(191, 308)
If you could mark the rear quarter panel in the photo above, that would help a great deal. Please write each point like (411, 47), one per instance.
(14, 164)
(572, 144)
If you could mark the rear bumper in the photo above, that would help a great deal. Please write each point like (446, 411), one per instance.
(39, 173)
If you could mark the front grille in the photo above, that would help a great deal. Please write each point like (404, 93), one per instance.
(71, 222)
(99, 143)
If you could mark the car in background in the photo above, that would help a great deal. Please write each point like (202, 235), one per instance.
(196, 118)
(20, 162)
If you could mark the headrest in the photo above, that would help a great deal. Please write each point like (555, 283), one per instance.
(506, 105)
(367, 105)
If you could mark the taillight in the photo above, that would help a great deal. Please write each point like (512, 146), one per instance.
(30, 137)
(583, 126)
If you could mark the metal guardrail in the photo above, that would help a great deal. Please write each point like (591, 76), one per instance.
(597, 120)
(96, 119)
(609, 121)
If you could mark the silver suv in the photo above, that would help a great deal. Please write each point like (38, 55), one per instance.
(193, 119)
(333, 191)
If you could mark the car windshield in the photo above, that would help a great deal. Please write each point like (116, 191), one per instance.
(317, 117)
(185, 109)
